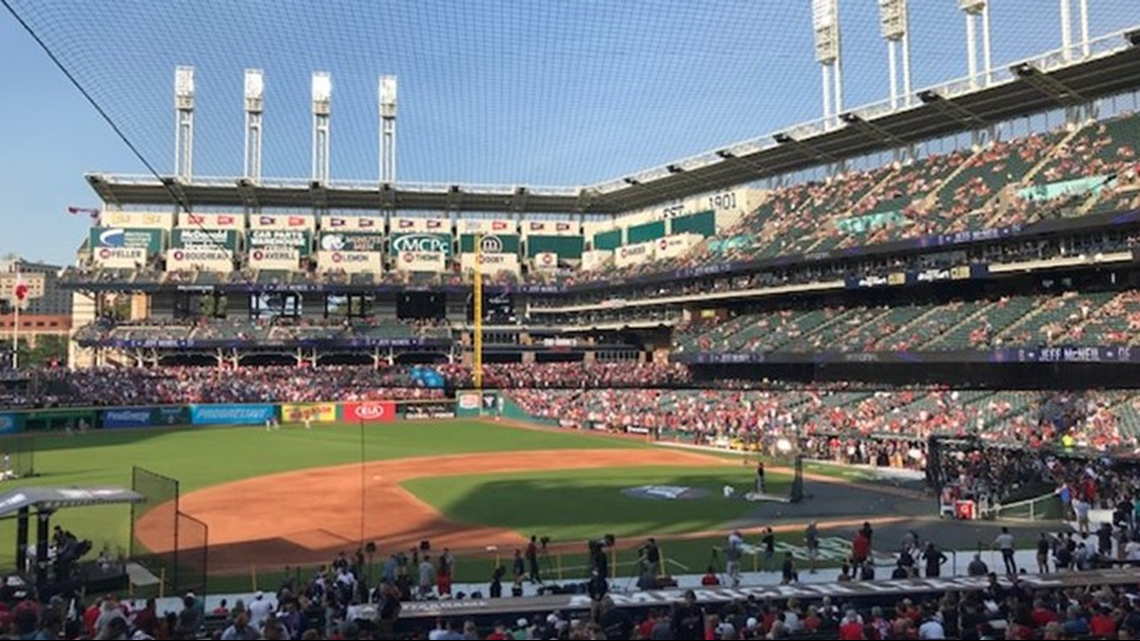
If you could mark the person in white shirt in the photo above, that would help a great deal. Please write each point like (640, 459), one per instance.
(260, 609)
(932, 628)
(733, 555)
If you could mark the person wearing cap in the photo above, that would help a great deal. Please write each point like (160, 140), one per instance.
(260, 610)
(733, 554)
(522, 630)
(240, 629)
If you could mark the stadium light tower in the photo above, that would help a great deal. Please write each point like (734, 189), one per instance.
(893, 26)
(976, 9)
(254, 106)
(184, 122)
(388, 129)
(322, 101)
(825, 24)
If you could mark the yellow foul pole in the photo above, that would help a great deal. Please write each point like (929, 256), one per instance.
(477, 293)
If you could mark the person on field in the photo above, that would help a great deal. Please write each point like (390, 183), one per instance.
(532, 560)
(427, 577)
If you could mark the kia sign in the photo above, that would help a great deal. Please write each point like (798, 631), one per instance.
(370, 412)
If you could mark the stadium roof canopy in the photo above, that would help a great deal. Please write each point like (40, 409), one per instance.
(55, 498)
(497, 97)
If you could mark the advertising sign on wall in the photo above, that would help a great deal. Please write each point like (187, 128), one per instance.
(149, 240)
(212, 238)
(231, 414)
(199, 258)
(346, 242)
(211, 221)
(10, 423)
(138, 219)
(296, 239)
(119, 257)
(273, 258)
(369, 412)
(349, 262)
(412, 261)
(421, 243)
(315, 412)
(281, 221)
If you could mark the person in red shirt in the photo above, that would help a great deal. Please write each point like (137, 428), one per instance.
(500, 633)
(852, 628)
(1042, 616)
(1103, 624)
(860, 548)
(710, 578)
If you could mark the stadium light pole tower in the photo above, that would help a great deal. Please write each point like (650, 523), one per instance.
(825, 24)
(388, 129)
(254, 106)
(322, 101)
(184, 122)
(976, 9)
(893, 26)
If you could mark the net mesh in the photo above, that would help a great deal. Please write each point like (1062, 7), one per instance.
(497, 91)
(154, 525)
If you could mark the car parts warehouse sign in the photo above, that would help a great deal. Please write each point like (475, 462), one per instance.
(421, 243)
(292, 238)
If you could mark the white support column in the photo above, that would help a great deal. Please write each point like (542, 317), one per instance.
(254, 106)
(972, 49)
(322, 99)
(986, 60)
(838, 77)
(184, 123)
(905, 42)
(1084, 9)
(892, 66)
(1066, 30)
(826, 94)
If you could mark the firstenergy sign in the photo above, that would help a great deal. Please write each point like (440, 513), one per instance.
(421, 242)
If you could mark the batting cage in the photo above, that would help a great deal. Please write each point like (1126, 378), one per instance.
(17, 457)
(170, 544)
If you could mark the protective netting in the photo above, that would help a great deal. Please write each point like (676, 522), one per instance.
(499, 91)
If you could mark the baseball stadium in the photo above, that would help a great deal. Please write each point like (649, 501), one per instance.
(633, 347)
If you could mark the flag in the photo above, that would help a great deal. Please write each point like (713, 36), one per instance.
(196, 219)
(404, 224)
(498, 225)
(296, 221)
(365, 222)
(434, 224)
(563, 226)
(93, 214)
(337, 222)
(225, 220)
(21, 288)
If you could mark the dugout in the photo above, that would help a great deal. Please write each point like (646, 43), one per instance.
(19, 504)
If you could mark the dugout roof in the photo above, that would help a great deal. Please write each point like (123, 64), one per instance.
(55, 498)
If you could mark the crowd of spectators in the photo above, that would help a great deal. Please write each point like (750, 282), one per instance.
(835, 420)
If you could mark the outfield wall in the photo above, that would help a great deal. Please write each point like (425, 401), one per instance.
(141, 416)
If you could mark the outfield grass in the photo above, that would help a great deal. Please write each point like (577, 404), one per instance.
(576, 505)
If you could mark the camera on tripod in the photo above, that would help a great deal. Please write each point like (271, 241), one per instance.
(544, 540)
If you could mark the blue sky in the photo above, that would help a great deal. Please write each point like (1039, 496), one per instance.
(491, 91)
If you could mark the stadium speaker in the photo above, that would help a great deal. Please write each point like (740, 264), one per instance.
(1133, 37)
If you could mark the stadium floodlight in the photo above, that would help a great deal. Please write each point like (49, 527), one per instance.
(322, 102)
(825, 25)
(387, 96)
(184, 122)
(893, 26)
(254, 106)
(322, 91)
(1066, 28)
(975, 9)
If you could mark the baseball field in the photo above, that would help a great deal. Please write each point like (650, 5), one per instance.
(297, 497)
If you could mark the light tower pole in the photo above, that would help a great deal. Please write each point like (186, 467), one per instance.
(825, 25)
(977, 10)
(322, 107)
(893, 26)
(184, 122)
(1067, 28)
(254, 106)
(388, 129)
